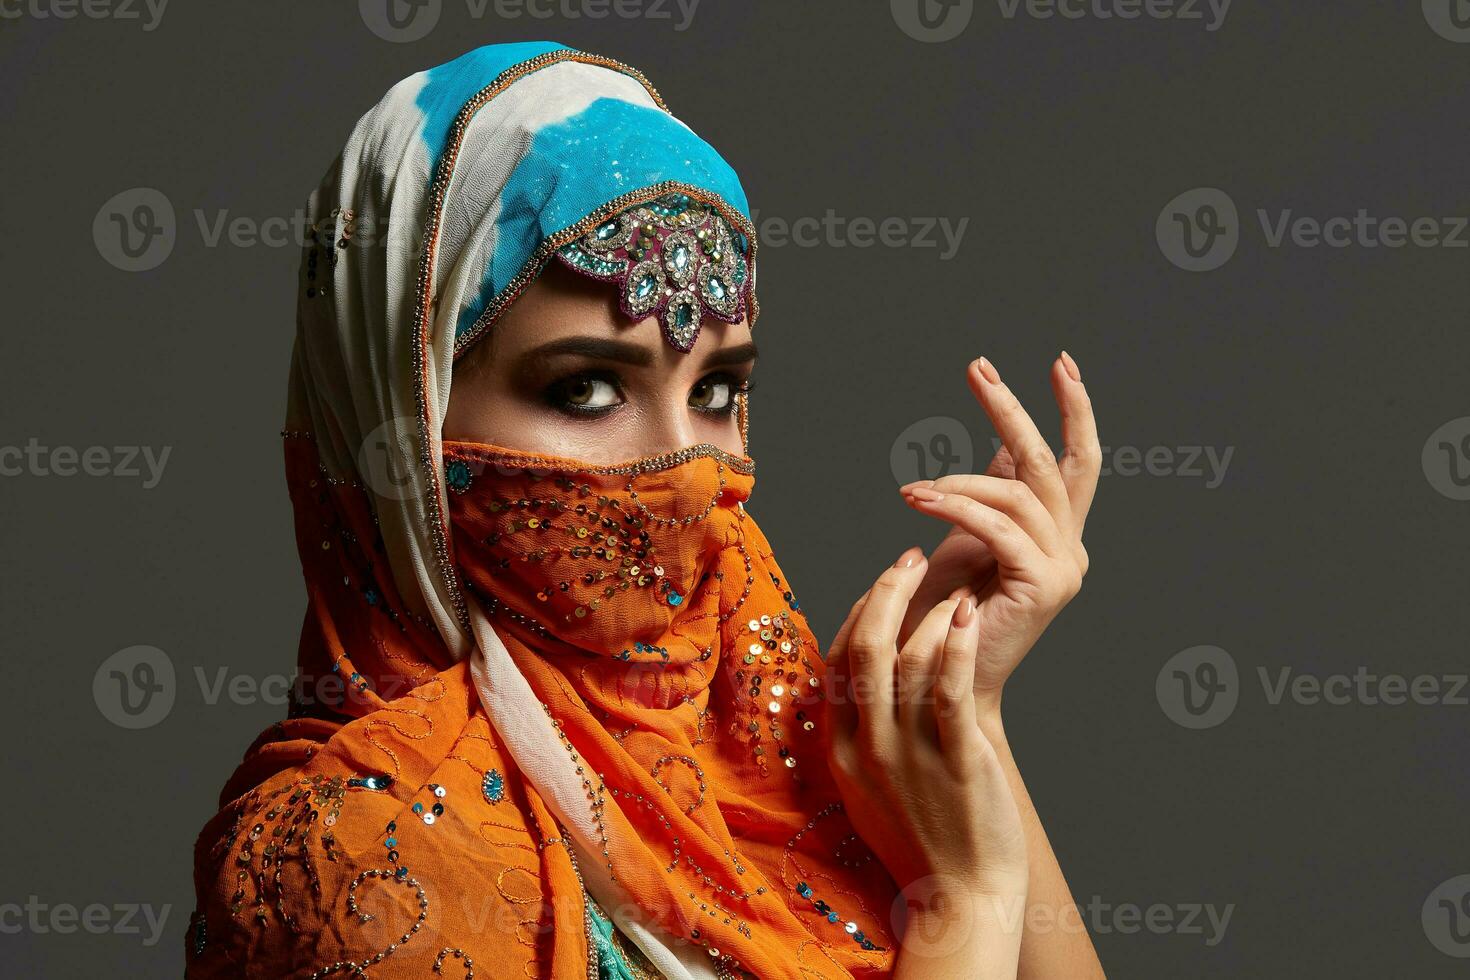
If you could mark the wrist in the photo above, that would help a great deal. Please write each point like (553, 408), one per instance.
(987, 707)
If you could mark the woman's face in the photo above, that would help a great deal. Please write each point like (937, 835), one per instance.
(563, 372)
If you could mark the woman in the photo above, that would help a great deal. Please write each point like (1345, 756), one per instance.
(560, 713)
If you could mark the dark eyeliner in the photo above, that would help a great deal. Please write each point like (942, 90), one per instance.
(555, 394)
(738, 386)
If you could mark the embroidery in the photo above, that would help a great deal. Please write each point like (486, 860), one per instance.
(805, 890)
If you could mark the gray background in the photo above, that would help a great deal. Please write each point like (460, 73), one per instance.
(1326, 548)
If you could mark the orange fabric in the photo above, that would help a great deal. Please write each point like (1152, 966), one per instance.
(627, 600)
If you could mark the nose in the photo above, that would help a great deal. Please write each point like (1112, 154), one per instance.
(668, 427)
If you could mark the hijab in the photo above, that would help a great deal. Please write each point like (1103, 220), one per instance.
(536, 698)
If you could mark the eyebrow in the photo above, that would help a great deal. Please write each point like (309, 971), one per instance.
(600, 348)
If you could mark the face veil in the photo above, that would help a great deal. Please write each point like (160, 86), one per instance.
(548, 713)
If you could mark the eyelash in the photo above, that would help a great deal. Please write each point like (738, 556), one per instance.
(554, 393)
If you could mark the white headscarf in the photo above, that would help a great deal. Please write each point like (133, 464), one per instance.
(454, 191)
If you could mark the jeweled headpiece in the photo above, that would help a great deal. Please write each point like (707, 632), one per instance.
(675, 258)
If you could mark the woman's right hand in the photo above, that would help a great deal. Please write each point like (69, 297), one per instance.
(921, 785)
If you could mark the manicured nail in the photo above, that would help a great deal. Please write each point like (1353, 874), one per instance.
(927, 495)
(964, 613)
(907, 487)
(909, 558)
(1071, 366)
(988, 371)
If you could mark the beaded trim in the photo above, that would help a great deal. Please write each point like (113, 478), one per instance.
(672, 259)
(557, 464)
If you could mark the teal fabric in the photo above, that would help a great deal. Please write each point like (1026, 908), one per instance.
(575, 166)
(610, 965)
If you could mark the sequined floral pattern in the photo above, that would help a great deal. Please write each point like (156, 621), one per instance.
(674, 258)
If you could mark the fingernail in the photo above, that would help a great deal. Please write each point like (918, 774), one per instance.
(1071, 366)
(909, 558)
(917, 483)
(988, 371)
(927, 495)
(964, 613)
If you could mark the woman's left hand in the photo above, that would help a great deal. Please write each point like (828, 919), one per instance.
(1017, 536)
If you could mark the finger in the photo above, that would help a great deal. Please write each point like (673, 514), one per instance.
(1011, 497)
(1081, 452)
(918, 664)
(872, 645)
(955, 717)
(1036, 465)
(1002, 464)
(1013, 548)
(841, 709)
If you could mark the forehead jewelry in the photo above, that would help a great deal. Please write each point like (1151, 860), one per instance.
(674, 258)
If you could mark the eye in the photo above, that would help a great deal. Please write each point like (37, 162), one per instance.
(588, 394)
(715, 393)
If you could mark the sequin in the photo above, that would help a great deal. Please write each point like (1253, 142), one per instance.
(371, 782)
